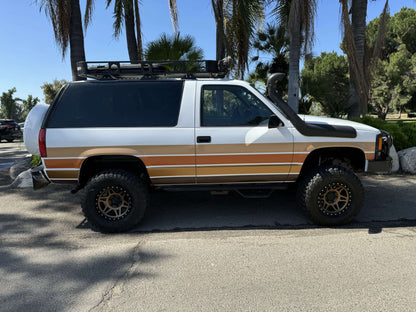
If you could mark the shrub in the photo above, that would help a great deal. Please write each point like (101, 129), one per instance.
(404, 134)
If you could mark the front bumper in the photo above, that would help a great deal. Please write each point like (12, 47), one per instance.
(39, 177)
(380, 166)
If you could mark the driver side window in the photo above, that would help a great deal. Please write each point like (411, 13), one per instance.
(223, 106)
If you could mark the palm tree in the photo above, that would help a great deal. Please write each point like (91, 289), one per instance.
(173, 48)
(299, 16)
(65, 16)
(242, 17)
(359, 57)
(218, 8)
(127, 12)
(236, 21)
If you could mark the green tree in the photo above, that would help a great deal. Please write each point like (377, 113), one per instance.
(27, 105)
(173, 48)
(51, 89)
(10, 108)
(299, 17)
(393, 82)
(325, 80)
(65, 16)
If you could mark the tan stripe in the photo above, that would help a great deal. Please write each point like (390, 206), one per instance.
(242, 179)
(245, 148)
(120, 150)
(60, 174)
(170, 172)
(242, 170)
(244, 159)
(63, 163)
(310, 146)
(172, 180)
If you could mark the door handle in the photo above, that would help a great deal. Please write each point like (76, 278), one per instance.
(203, 139)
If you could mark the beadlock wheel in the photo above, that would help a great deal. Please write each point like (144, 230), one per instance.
(113, 202)
(334, 199)
(331, 195)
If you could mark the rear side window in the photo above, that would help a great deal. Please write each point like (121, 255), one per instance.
(118, 104)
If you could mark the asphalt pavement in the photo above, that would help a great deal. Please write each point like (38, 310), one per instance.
(199, 252)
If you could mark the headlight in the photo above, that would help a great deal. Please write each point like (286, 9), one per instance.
(384, 141)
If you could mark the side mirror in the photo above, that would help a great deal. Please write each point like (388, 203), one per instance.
(275, 122)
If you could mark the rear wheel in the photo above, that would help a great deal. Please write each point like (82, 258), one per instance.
(114, 201)
(9, 140)
(331, 195)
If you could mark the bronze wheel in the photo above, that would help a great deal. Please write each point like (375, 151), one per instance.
(113, 202)
(331, 195)
(334, 198)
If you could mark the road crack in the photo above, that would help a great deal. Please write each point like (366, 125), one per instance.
(116, 288)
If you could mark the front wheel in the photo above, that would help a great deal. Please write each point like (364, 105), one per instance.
(331, 195)
(114, 201)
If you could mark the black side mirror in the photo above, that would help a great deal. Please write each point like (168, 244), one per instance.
(275, 122)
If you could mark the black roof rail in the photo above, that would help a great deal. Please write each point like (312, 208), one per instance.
(153, 69)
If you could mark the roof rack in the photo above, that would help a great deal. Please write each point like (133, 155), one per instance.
(153, 69)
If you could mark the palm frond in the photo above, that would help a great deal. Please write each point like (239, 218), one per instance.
(89, 8)
(59, 12)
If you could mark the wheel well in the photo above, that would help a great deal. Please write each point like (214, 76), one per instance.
(347, 157)
(95, 164)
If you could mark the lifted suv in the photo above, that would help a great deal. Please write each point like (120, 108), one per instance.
(182, 126)
(9, 130)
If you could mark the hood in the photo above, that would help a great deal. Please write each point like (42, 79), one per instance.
(337, 122)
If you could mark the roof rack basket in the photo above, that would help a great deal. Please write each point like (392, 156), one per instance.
(153, 69)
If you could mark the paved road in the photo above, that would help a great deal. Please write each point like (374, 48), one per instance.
(9, 152)
(197, 252)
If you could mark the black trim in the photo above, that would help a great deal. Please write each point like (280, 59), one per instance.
(307, 129)
(379, 166)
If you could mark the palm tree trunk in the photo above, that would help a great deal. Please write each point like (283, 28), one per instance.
(357, 101)
(218, 8)
(76, 39)
(130, 31)
(294, 57)
(138, 30)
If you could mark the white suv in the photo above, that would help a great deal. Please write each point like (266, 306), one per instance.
(120, 138)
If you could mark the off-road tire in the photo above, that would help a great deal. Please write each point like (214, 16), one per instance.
(331, 195)
(114, 201)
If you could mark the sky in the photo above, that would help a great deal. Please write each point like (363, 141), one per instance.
(29, 55)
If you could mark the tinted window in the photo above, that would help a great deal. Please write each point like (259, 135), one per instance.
(231, 106)
(118, 104)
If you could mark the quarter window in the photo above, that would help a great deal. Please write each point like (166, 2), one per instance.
(118, 104)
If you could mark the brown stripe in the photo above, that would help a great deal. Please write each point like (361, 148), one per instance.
(62, 174)
(168, 160)
(370, 156)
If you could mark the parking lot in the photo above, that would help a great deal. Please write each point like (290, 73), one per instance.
(198, 252)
